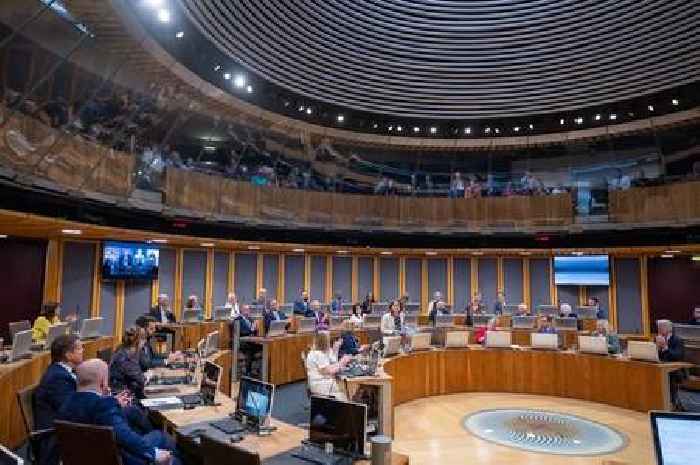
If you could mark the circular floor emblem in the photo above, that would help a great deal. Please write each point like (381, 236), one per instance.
(546, 432)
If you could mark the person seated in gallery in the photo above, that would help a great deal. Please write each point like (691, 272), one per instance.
(695, 320)
(546, 326)
(350, 344)
(595, 302)
(246, 327)
(438, 309)
(125, 373)
(523, 310)
(193, 303)
(670, 346)
(481, 332)
(500, 304)
(602, 329)
(50, 315)
(337, 304)
(162, 312)
(388, 323)
(302, 306)
(367, 303)
(92, 404)
(272, 313)
(232, 304)
(322, 366)
(437, 298)
(321, 318)
(565, 311)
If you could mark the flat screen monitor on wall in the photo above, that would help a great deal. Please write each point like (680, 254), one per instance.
(585, 270)
(129, 260)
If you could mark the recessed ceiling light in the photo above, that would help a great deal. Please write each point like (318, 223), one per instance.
(298, 250)
(3, 236)
(207, 244)
(613, 116)
(341, 118)
(532, 126)
(399, 128)
(342, 251)
(579, 120)
(672, 251)
(239, 81)
(249, 89)
(487, 130)
(598, 117)
(433, 130)
(180, 34)
(650, 107)
(227, 76)
(516, 129)
(72, 232)
(253, 247)
(667, 255)
(163, 15)
(467, 130)
(153, 3)
(674, 102)
(525, 253)
(385, 252)
(430, 252)
(477, 253)
(416, 129)
(159, 241)
(561, 122)
(309, 111)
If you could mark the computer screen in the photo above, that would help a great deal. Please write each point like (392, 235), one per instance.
(343, 424)
(676, 437)
(255, 398)
(129, 260)
(210, 382)
(589, 270)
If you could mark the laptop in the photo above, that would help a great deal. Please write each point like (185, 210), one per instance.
(55, 331)
(212, 344)
(337, 322)
(593, 345)
(372, 321)
(211, 379)
(565, 323)
(91, 328)
(483, 319)
(21, 345)
(456, 339)
(420, 341)
(17, 326)
(498, 339)
(547, 310)
(392, 345)
(222, 313)
(192, 315)
(642, 350)
(544, 341)
(523, 322)
(510, 309)
(306, 325)
(444, 321)
(277, 328)
(675, 437)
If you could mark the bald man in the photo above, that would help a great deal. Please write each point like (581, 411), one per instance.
(93, 405)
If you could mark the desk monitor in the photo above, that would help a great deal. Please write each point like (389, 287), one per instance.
(256, 309)
(306, 325)
(55, 331)
(444, 321)
(482, 319)
(337, 322)
(392, 345)
(255, 398)
(91, 328)
(523, 322)
(510, 309)
(372, 321)
(420, 341)
(456, 339)
(593, 345)
(587, 312)
(277, 328)
(212, 344)
(565, 322)
(192, 315)
(211, 378)
(498, 339)
(222, 314)
(17, 326)
(9, 458)
(340, 423)
(21, 345)
(643, 350)
(547, 310)
(544, 341)
(675, 437)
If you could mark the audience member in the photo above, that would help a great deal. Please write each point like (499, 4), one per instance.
(388, 323)
(350, 345)
(500, 304)
(263, 300)
(437, 297)
(670, 346)
(367, 304)
(337, 304)
(695, 320)
(193, 303)
(438, 309)
(272, 313)
(602, 329)
(356, 315)
(523, 310)
(232, 304)
(48, 316)
(161, 312)
(322, 366)
(545, 326)
(321, 318)
(125, 373)
(302, 306)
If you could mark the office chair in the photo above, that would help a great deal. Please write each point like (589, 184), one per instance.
(25, 399)
(86, 444)
(218, 453)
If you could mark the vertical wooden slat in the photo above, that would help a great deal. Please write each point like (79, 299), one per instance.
(612, 295)
(450, 281)
(527, 298)
(329, 278)
(280, 279)
(259, 274)
(96, 283)
(209, 284)
(644, 280)
(231, 284)
(177, 291)
(424, 286)
(354, 280)
(307, 274)
(474, 274)
(376, 283)
(54, 271)
(552, 285)
(119, 312)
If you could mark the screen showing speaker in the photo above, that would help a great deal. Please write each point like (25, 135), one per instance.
(585, 270)
(129, 260)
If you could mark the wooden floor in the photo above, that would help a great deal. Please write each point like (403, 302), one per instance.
(430, 431)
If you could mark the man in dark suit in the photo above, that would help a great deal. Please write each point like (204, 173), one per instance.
(670, 346)
(350, 345)
(438, 309)
(302, 305)
(246, 326)
(92, 405)
(161, 312)
(272, 314)
(148, 357)
(56, 385)
(500, 304)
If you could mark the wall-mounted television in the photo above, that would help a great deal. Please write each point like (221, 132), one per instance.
(585, 270)
(129, 260)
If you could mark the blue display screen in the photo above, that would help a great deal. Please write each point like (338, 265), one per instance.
(589, 270)
(129, 260)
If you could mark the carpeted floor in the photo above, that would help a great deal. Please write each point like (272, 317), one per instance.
(290, 404)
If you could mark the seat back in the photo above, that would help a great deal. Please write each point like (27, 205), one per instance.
(86, 444)
(105, 355)
(215, 452)
(25, 399)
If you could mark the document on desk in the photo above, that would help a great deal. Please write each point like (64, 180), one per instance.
(162, 403)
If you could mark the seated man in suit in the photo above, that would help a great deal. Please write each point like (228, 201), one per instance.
(149, 358)
(272, 314)
(56, 385)
(500, 304)
(302, 305)
(246, 325)
(437, 298)
(93, 405)
(670, 346)
(161, 312)
(438, 309)
(350, 345)
(263, 300)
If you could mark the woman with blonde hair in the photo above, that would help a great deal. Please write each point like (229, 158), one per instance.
(322, 366)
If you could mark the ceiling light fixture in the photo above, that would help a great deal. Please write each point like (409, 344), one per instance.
(613, 116)
(431, 253)
(180, 34)
(666, 255)
(159, 241)
(239, 81)
(163, 15)
(386, 252)
(253, 247)
(72, 232)
(249, 89)
(341, 118)
(207, 244)
(650, 107)
(227, 76)
(298, 250)
(674, 102)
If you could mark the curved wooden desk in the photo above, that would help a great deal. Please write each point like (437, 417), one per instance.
(623, 383)
(18, 375)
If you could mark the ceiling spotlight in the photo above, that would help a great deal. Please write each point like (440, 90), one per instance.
(342, 251)
(217, 67)
(341, 118)
(298, 250)
(227, 76)
(666, 255)
(487, 130)
(498, 131)
(516, 129)
(309, 111)
(650, 107)
(532, 126)
(525, 253)
(467, 130)
(561, 122)
(301, 107)
(375, 126)
(416, 129)
(477, 253)
(385, 252)
(579, 120)
(391, 128)
(613, 116)
(180, 34)
(207, 244)
(253, 247)
(249, 89)
(431, 253)
(239, 81)
(674, 102)
(399, 128)
(72, 232)
(672, 251)
(598, 117)
(164, 15)
(433, 130)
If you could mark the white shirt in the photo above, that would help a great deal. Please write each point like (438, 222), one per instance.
(355, 319)
(235, 310)
(163, 315)
(388, 325)
(320, 384)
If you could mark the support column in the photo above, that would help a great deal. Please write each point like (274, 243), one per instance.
(53, 274)
(209, 284)
(97, 284)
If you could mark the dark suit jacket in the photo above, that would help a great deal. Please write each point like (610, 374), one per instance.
(55, 387)
(148, 358)
(125, 373)
(498, 308)
(675, 351)
(434, 312)
(269, 317)
(245, 326)
(93, 409)
(349, 345)
(302, 308)
(155, 313)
